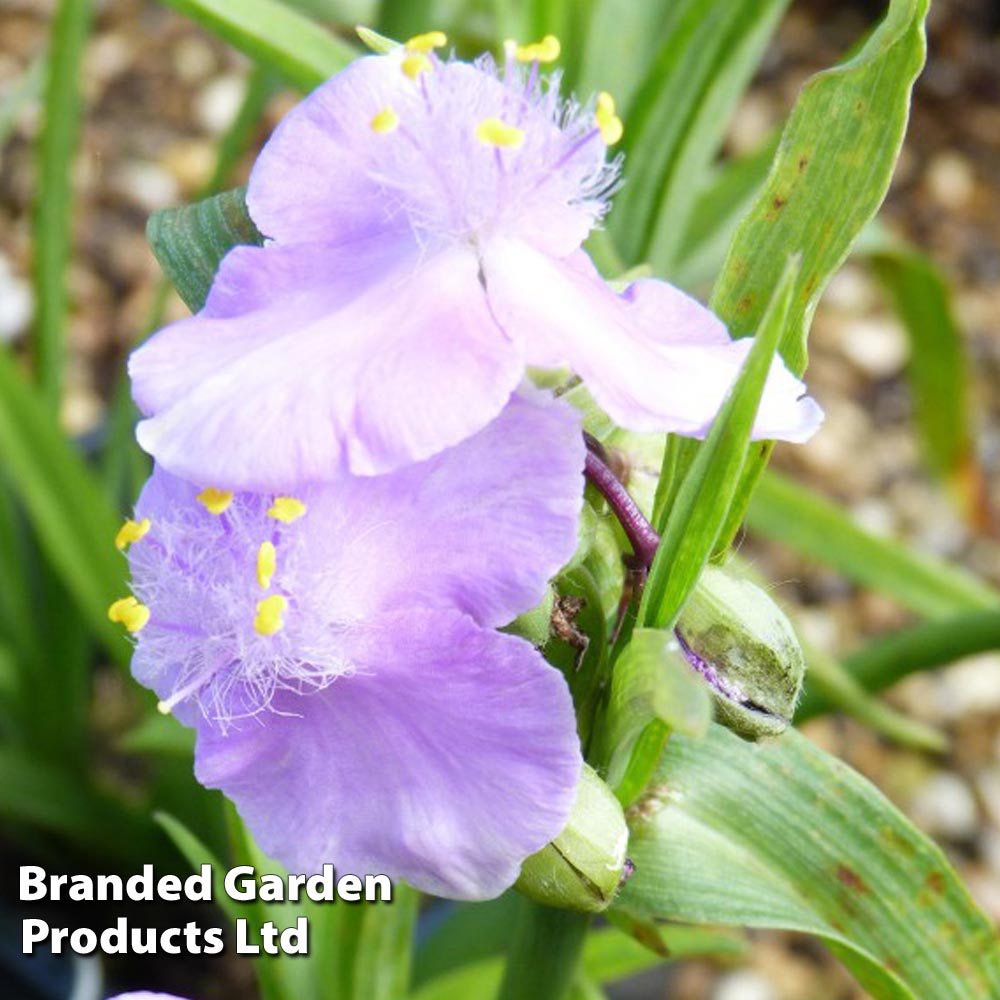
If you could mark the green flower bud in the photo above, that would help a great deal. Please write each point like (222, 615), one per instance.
(583, 867)
(740, 641)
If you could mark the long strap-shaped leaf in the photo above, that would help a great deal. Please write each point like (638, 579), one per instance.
(784, 835)
(710, 485)
(269, 32)
(677, 120)
(74, 522)
(818, 529)
(53, 213)
(832, 170)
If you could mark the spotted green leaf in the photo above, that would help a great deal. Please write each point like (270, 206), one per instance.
(783, 835)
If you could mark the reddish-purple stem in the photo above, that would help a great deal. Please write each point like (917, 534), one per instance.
(641, 534)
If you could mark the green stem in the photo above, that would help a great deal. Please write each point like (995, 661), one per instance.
(922, 647)
(829, 681)
(545, 954)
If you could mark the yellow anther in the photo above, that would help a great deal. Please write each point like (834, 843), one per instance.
(269, 612)
(545, 51)
(427, 42)
(215, 501)
(286, 509)
(607, 121)
(415, 64)
(131, 531)
(267, 563)
(494, 132)
(385, 121)
(129, 612)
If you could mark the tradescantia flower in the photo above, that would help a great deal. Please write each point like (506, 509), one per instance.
(336, 652)
(424, 220)
(145, 995)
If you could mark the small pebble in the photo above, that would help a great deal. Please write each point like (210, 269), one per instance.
(945, 807)
(876, 516)
(194, 59)
(191, 163)
(148, 185)
(851, 289)
(16, 303)
(216, 106)
(745, 984)
(950, 181)
(751, 124)
(877, 346)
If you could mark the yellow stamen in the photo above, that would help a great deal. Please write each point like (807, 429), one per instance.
(545, 51)
(131, 531)
(129, 612)
(427, 42)
(607, 121)
(385, 121)
(415, 64)
(267, 563)
(286, 509)
(494, 132)
(269, 612)
(215, 501)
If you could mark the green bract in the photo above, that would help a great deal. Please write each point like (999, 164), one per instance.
(582, 868)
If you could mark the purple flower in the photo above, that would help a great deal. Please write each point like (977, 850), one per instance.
(337, 653)
(425, 219)
(145, 995)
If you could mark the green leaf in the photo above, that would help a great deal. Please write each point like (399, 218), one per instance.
(608, 956)
(622, 38)
(720, 206)
(385, 941)
(16, 620)
(196, 853)
(820, 530)
(46, 798)
(923, 647)
(190, 241)
(271, 971)
(272, 33)
(829, 677)
(403, 19)
(652, 685)
(831, 172)
(568, 20)
(159, 735)
(71, 516)
(938, 369)
(780, 834)
(678, 119)
(466, 933)
(710, 485)
(53, 214)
